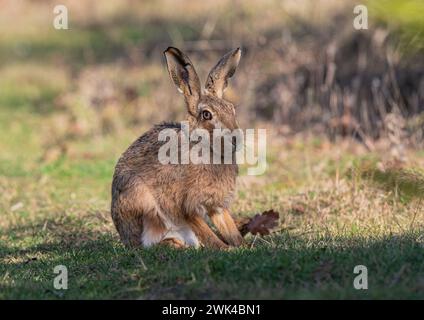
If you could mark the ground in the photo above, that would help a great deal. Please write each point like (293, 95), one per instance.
(335, 215)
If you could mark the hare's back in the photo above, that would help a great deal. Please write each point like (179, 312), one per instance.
(143, 153)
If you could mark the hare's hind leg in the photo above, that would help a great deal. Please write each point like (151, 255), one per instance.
(135, 215)
(129, 226)
(173, 242)
(176, 235)
(140, 221)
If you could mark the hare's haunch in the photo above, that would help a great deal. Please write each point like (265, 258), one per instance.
(153, 202)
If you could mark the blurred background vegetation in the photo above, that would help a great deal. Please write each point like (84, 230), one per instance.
(304, 66)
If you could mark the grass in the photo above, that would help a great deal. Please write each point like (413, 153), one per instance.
(403, 16)
(340, 205)
(56, 213)
(286, 267)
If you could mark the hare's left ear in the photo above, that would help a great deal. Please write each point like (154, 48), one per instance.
(224, 69)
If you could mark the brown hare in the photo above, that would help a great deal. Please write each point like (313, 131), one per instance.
(156, 203)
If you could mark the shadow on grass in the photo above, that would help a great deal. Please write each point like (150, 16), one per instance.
(284, 266)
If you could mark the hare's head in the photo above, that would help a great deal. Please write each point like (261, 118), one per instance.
(206, 108)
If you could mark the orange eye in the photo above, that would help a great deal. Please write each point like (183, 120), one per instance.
(206, 115)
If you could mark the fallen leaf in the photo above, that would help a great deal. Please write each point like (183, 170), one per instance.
(263, 223)
(242, 223)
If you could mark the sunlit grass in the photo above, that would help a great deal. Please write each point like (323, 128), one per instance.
(404, 18)
(58, 213)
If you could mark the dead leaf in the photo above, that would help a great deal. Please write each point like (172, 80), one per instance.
(242, 223)
(263, 223)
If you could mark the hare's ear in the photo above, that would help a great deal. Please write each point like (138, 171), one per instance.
(184, 76)
(224, 69)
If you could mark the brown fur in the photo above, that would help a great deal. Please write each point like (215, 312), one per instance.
(147, 195)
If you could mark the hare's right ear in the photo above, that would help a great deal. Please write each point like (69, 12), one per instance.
(184, 76)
